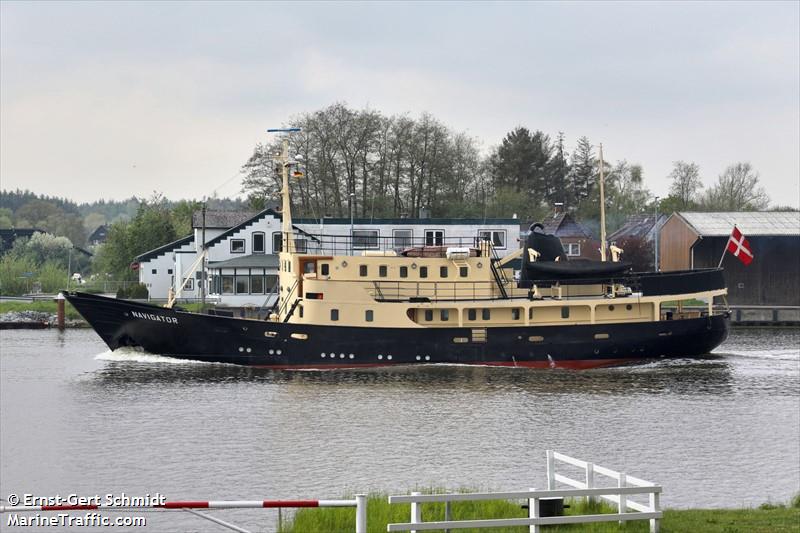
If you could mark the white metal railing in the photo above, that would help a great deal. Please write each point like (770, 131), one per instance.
(627, 486)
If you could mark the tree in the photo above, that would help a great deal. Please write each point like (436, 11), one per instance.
(685, 184)
(638, 251)
(582, 180)
(737, 189)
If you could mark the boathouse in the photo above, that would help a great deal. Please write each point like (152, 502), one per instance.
(690, 240)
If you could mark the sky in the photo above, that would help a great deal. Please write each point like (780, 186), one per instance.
(111, 100)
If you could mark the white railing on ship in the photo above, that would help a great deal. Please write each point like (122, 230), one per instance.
(627, 486)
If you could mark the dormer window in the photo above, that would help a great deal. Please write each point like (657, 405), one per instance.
(237, 246)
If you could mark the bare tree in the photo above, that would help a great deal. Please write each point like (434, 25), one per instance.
(737, 189)
(685, 183)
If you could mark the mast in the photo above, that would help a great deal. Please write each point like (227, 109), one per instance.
(203, 263)
(286, 209)
(602, 209)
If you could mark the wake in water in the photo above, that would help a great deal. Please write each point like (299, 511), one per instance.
(132, 355)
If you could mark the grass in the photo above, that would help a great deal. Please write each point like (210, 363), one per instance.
(767, 518)
(41, 306)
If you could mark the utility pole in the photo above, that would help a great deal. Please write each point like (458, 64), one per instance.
(203, 262)
(602, 209)
(655, 229)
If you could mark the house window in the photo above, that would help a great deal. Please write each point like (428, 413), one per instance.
(495, 236)
(444, 315)
(189, 285)
(365, 239)
(428, 315)
(277, 242)
(300, 246)
(403, 238)
(434, 237)
(463, 271)
(227, 284)
(486, 314)
(237, 246)
(334, 315)
(423, 272)
(472, 314)
(242, 284)
(404, 272)
(169, 271)
(362, 271)
(257, 284)
(258, 243)
(272, 283)
(324, 269)
(368, 316)
(443, 272)
(572, 249)
(383, 271)
(155, 271)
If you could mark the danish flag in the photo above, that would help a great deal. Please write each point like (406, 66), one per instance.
(738, 246)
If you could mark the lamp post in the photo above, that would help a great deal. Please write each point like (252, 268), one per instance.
(352, 199)
(655, 238)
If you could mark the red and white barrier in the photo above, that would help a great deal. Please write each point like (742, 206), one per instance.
(360, 503)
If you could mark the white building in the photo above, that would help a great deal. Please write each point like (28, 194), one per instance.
(242, 265)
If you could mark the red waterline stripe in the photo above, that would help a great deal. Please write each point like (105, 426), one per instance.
(181, 505)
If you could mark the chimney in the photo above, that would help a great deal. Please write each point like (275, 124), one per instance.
(558, 208)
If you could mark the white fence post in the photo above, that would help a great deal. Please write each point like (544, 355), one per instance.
(416, 512)
(623, 499)
(655, 506)
(590, 480)
(551, 470)
(361, 513)
(533, 512)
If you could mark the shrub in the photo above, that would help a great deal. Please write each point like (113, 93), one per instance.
(133, 292)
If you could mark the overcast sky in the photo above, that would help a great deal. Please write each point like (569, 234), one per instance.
(113, 100)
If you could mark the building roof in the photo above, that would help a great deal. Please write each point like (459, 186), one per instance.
(248, 261)
(218, 219)
(563, 225)
(152, 254)
(751, 223)
(638, 226)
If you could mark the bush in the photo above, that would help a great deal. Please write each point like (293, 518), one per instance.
(133, 292)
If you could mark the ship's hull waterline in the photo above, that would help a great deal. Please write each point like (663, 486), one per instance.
(238, 341)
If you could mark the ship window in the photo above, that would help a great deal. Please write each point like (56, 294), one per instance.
(368, 316)
(515, 313)
(383, 271)
(535, 338)
(404, 272)
(428, 315)
(443, 272)
(496, 237)
(362, 271)
(227, 284)
(463, 271)
(599, 336)
(237, 246)
(423, 272)
(258, 242)
(530, 313)
(324, 269)
(365, 238)
(486, 314)
(402, 237)
(334, 315)
(257, 284)
(472, 314)
(434, 237)
(277, 242)
(445, 315)
(300, 309)
(565, 312)
(460, 340)
(242, 284)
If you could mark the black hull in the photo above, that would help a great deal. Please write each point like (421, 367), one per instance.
(278, 345)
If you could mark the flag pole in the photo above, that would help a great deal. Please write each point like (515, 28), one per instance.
(725, 249)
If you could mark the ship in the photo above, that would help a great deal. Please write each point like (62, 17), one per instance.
(423, 303)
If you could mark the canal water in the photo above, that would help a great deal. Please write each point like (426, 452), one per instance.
(722, 431)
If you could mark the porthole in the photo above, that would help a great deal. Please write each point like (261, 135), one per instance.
(278, 352)
(389, 357)
(629, 307)
(352, 356)
(479, 265)
(249, 350)
(322, 355)
(610, 307)
(413, 266)
(427, 357)
(380, 357)
(241, 348)
(344, 264)
(271, 352)
(418, 358)
(341, 356)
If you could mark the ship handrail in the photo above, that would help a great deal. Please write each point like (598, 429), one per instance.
(307, 243)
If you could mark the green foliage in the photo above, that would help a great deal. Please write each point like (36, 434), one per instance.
(46, 306)
(6, 218)
(42, 247)
(19, 275)
(48, 216)
(135, 291)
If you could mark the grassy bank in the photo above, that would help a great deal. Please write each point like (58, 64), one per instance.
(40, 306)
(765, 519)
